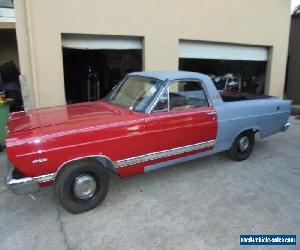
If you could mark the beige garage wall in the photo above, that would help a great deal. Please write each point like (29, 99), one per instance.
(161, 23)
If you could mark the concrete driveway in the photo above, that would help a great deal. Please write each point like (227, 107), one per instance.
(203, 204)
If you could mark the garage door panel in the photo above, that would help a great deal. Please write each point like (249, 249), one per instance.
(202, 50)
(80, 41)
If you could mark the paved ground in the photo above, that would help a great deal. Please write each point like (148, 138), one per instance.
(203, 204)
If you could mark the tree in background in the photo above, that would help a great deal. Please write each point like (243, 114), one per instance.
(297, 10)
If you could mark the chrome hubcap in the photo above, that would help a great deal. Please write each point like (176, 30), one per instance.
(84, 187)
(244, 143)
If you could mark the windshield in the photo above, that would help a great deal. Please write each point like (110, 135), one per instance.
(134, 93)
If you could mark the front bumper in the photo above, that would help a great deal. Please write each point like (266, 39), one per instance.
(26, 185)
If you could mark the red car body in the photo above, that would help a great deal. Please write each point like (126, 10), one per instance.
(38, 148)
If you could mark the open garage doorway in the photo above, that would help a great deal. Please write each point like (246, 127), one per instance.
(93, 65)
(236, 68)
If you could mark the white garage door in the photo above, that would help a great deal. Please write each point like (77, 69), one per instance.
(221, 51)
(80, 41)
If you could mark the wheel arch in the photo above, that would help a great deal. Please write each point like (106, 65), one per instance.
(254, 129)
(105, 161)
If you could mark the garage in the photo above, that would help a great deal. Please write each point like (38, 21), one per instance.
(94, 64)
(232, 67)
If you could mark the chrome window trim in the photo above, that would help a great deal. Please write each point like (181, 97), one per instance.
(163, 153)
(168, 93)
(150, 109)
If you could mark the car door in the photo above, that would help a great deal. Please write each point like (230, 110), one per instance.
(182, 121)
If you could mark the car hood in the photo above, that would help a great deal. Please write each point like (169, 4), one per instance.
(44, 117)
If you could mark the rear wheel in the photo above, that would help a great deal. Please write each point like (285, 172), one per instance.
(242, 146)
(82, 185)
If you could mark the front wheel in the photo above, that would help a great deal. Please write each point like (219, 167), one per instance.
(242, 146)
(81, 185)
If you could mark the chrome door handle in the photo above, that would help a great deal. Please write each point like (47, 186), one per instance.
(212, 113)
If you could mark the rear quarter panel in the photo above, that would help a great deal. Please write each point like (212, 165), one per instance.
(264, 115)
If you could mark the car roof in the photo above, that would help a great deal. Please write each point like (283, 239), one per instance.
(170, 75)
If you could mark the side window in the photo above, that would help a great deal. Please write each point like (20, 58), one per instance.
(186, 94)
(182, 95)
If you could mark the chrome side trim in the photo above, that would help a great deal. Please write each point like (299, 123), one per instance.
(179, 160)
(130, 161)
(28, 185)
(164, 153)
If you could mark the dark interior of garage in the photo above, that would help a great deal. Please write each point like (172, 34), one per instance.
(230, 75)
(91, 74)
(9, 69)
(10, 85)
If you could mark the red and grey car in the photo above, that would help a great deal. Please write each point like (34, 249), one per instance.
(150, 120)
